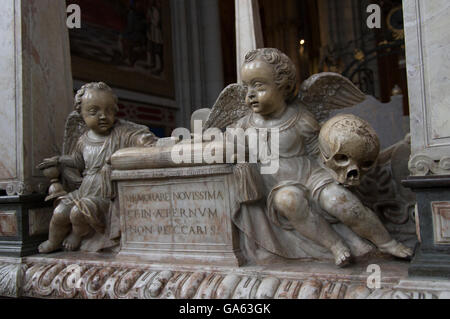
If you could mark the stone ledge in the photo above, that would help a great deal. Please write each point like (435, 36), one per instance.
(87, 276)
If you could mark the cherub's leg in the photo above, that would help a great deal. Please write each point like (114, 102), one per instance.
(344, 205)
(292, 203)
(59, 228)
(80, 228)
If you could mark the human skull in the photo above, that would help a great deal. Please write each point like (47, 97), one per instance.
(349, 147)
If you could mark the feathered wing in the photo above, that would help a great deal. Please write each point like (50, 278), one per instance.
(229, 108)
(75, 127)
(327, 91)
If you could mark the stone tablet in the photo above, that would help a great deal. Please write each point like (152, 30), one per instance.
(178, 215)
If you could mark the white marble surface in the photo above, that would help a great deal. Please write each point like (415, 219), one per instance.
(35, 89)
(427, 32)
(70, 276)
(8, 130)
(39, 221)
(385, 118)
(248, 30)
(184, 219)
(48, 66)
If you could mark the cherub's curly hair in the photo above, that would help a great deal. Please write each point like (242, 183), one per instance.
(93, 86)
(285, 73)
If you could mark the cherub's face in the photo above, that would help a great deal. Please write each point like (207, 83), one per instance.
(98, 109)
(263, 95)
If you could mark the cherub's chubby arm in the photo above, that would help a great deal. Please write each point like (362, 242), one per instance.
(70, 167)
(148, 139)
(67, 160)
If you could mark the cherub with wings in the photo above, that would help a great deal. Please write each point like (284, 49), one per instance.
(92, 135)
(302, 197)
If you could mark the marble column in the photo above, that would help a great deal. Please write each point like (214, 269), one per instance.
(427, 36)
(197, 55)
(249, 34)
(36, 95)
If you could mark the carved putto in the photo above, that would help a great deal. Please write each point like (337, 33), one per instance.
(308, 208)
(85, 215)
(307, 211)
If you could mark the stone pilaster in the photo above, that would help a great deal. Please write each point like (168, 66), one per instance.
(248, 30)
(36, 95)
(427, 36)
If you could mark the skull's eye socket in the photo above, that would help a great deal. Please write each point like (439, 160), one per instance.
(341, 159)
(367, 164)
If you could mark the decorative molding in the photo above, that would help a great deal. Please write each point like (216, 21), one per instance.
(97, 282)
(25, 188)
(58, 280)
(402, 294)
(10, 278)
(422, 165)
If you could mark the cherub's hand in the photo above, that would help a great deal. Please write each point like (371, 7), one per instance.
(48, 162)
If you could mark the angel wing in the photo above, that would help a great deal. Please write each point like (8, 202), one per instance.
(327, 91)
(75, 127)
(229, 107)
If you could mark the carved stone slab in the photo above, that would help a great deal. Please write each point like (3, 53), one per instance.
(8, 223)
(11, 273)
(441, 222)
(84, 277)
(178, 215)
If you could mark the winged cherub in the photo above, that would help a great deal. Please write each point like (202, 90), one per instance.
(92, 136)
(302, 195)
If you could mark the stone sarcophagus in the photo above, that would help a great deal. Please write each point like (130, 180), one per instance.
(175, 214)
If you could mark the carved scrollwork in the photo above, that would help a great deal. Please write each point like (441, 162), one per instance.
(10, 190)
(95, 281)
(100, 282)
(10, 278)
(422, 165)
(401, 294)
(24, 188)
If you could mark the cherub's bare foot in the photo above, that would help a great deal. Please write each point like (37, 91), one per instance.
(48, 247)
(342, 254)
(396, 249)
(72, 242)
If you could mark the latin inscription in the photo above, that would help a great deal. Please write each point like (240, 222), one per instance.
(161, 197)
(180, 213)
(175, 212)
(172, 230)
